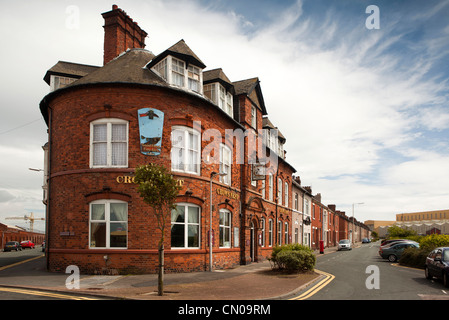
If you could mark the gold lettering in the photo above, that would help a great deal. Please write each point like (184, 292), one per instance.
(228, 194)
(132, 179)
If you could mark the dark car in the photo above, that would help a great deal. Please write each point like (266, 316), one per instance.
(366, 240)
(12, 245)
(27, 244)
(385, 242)
(437, 265)
(394, 252)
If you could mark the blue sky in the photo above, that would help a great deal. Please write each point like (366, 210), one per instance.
(365, 112)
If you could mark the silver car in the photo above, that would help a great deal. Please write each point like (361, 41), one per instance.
(344, 244)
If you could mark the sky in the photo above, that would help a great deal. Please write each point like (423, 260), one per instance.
(361, 95)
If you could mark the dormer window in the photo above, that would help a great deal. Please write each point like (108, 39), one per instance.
(218, 95)
(177, 73)
(57, 82)
(193, 75)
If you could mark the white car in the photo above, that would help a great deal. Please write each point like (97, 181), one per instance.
(344, 244)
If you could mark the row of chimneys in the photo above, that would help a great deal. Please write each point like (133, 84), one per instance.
(120, 34)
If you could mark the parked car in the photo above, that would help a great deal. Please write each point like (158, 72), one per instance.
(437, 265)
(12, 245)
(27, 244)
(385, 242)
(366, 240)
(344, 244)
(394, 252)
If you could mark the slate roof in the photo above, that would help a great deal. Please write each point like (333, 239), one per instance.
(129, 67)
(215, 75)
(69, 69)
(181, 51)
(251, 87)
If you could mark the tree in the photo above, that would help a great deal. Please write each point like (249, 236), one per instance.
(159, 189)
(398, 232)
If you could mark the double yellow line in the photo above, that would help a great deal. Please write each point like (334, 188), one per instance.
(320, 285)
(44, 294)
(36, 292)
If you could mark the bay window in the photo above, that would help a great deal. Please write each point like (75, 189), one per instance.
(219, 96)
(178, 73)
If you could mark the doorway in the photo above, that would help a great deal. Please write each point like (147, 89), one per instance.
(252, 242)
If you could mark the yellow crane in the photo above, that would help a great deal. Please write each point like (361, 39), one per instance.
(31, 218)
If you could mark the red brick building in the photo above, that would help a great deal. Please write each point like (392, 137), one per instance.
(11, 233)
(98, 123)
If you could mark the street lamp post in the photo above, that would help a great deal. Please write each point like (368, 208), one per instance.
(213, 174)
(353, 223)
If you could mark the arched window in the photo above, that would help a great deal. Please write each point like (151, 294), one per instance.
(262, 224)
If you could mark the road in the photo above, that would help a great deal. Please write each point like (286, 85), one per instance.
(16, 264)
(361, 274)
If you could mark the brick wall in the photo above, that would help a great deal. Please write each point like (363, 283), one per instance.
(74, 185)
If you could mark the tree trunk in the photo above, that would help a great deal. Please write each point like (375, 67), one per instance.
(160, 282)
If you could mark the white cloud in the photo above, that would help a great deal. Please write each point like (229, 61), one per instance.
(339, 93)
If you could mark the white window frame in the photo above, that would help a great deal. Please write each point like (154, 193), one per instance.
(225, 229)
(193, 78)
(279, 232)
(109, 151)
(188, 133)
(262, 223)
(280, 190)
(253, 117)
(107, 221)
(286, 194)
(296, 202)
(162, 69)
(270, 187)
(179, 74)
(58, 82)
(286, 233)
(226, 164)
(186, 225)
(220, 97)
(270, 232)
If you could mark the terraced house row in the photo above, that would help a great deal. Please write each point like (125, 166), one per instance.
(140, 108)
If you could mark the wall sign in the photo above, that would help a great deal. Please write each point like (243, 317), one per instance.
(151, 123)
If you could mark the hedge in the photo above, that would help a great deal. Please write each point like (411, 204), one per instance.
(293, 258)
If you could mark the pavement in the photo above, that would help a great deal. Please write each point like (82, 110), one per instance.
(256, 281)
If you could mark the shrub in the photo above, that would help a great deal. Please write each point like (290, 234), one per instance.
(433, 241)
(416, 258)
(293, 258)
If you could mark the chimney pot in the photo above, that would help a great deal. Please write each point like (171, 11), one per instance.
(120, 34)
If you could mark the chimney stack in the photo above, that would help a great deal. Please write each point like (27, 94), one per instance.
(120, 33)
